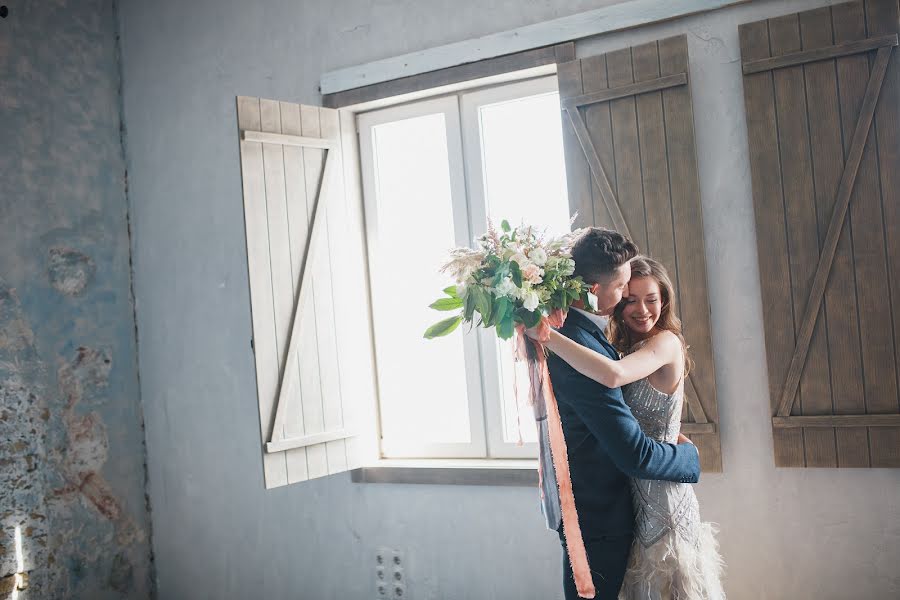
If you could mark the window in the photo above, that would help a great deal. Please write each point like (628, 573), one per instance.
(434, 172)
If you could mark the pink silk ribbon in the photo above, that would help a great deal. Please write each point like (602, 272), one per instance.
(541, 386)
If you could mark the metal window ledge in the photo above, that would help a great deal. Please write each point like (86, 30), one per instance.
(511, 473)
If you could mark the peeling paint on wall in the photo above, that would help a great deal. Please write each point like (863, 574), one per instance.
(72, 459)
(23, 424)
(69, 270)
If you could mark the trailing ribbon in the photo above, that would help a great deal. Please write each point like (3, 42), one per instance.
(541, 393)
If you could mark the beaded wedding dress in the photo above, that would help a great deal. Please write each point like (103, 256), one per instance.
(675, 555)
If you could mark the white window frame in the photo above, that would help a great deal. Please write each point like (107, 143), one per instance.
(470, 103)
(464, 151)
(448, 106)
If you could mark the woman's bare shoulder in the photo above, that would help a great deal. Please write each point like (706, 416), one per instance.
(664, 341)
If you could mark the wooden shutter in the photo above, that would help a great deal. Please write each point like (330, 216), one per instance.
(631, 166)
(822, 94)
(293, 202)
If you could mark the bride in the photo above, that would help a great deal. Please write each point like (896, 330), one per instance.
(675, 555)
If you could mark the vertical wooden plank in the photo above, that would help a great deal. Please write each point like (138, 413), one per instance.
(626, 147)
(802, 231)
(330, 369)
(578, 175)
(882, 18)
(279, 245)
(866, 231)
(690, 251)
(774, 268)
(827, 163)
(259, 271)
(654, 166)
(314, 413)
(307, 357)
(596, 116)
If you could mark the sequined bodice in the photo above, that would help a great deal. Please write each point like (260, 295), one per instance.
(661, 506)
(659, 414)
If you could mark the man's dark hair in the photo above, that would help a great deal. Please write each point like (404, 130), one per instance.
(598, 252)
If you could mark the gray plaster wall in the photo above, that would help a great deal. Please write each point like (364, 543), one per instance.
(71, 433)
(219, 534)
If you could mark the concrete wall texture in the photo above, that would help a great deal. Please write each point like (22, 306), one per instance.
(72, 460)
(71, 450)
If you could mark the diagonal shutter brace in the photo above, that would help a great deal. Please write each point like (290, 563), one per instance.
(277, 442)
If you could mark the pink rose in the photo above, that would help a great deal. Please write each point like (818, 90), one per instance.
(533, 273)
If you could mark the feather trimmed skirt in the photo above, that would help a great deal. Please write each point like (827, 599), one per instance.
(674, 568)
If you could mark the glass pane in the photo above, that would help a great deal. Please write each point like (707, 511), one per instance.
(422, 382)
(524, 182)
(523, 164)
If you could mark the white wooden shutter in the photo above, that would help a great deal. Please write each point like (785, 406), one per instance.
(303, 257)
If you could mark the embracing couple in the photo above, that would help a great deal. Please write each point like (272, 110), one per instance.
(618, 375)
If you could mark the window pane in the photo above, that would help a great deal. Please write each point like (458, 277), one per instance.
(524, 182)
(422, 382)
(524, 169)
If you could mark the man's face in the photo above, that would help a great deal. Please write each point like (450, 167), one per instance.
(610, 293)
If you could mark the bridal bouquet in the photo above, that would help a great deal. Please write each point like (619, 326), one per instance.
(513, 277)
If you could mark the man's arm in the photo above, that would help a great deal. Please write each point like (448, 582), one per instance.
(609, 419)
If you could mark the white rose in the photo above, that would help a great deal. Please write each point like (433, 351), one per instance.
(531, 301)
(506, 288)
(538, 256)
(520, 258)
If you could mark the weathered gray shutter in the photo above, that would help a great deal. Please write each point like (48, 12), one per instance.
(294, 210)
(631, 166)
(822, 94)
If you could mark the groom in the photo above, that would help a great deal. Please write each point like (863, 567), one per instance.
(605, 443)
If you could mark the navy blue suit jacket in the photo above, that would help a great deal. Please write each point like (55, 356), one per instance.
(605, 443)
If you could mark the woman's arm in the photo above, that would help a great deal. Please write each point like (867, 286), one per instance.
(660, 350)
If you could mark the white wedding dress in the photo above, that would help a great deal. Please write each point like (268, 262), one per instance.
(675, 555)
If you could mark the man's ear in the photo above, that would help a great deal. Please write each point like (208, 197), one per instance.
(596, 288)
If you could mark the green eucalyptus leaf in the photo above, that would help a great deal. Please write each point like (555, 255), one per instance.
(506, 327)
(469, 305)
(529, 318)
(516, 273)
(483, 304)
(443, 328)
(446, 304)
(501, 307)
(451, 291)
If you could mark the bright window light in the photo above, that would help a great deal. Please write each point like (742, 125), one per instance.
(524, 169)
(422, 382)
(524, 182)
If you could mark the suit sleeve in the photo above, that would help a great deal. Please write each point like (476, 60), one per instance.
(608, 418)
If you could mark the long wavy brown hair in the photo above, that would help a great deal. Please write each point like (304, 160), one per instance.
(618, 333)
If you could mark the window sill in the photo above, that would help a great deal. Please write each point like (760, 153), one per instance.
(496, 472)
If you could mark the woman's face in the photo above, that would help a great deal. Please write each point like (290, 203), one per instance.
(642, 305)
